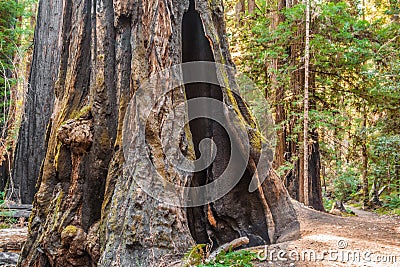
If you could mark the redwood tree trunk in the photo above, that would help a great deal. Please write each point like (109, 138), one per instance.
(287, 116)
(89, 208)
(31, 145)
(279, 94)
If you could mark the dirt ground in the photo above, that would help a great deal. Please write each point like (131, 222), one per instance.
(326, 240)
(363, 240)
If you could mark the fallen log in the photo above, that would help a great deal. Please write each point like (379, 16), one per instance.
(12, 239)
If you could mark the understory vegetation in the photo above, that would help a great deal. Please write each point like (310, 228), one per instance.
(197, 257)
(17, 22)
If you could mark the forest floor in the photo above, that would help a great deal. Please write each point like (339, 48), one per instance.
(367, 239)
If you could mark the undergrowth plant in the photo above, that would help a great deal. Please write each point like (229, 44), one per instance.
(240, 258)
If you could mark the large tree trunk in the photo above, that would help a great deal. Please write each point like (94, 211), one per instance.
(90, 208)
(31, 146)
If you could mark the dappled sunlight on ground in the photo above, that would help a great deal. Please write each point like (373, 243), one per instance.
(327, 240)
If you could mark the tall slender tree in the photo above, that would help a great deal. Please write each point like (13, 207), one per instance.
(306, 104)
(287, 102)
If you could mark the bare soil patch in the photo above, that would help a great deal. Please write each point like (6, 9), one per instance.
(363, 240)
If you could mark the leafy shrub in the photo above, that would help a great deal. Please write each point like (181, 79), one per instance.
(328, 203)
(2, 195)
(346, 184)
(196, 256)
(236, 258)
(392, 202)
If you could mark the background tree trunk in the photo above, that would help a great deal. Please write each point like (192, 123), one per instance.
(89, 209)
(251, 6)
(287, 116)
(364, 153)
(31, 145)
(306, 104)
(279, 94)
(240, 10)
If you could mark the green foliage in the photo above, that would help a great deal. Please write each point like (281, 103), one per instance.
(346, 183)
(7, 220)
(240, 258)
(355, 94)
(16, 35)
(328, 203)
(8, 35)
(385, 166)
(6, 216)
(4, 226)
(194, 256)
(282, 170)
(392, 202)
(8, 39)
(391, 205)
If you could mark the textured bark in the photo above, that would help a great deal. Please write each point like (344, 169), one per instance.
(251, 6)
(306, 105)
(31, 146)
(315, 187)
(294, 180)
(364, 152)
(240, 10)
(89, 210)
(80, 138)
(279, 94)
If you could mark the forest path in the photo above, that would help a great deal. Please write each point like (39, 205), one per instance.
(364, 240)
(363, 213)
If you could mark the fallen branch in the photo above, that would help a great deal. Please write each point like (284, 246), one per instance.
(228, 246)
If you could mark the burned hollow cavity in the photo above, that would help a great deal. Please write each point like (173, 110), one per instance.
(226, 219)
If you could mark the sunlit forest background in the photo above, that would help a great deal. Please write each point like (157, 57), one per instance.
(354, 88)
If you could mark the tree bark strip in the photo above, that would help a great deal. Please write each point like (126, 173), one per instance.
(31, 146)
